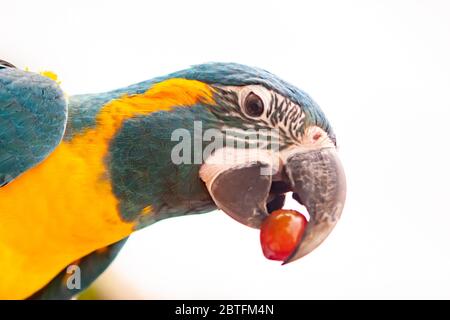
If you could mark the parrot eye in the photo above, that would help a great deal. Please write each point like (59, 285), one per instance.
(253, 105)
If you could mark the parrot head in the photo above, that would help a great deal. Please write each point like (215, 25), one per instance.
(289, 146)
(249, 139)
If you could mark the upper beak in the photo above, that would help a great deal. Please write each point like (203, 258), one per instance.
(315, 176)
(318, 182)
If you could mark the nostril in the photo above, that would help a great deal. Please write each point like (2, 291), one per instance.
(317, 136)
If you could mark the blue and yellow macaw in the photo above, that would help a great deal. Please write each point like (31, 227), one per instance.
(79, 174)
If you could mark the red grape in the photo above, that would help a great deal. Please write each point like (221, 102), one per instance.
(281, 232)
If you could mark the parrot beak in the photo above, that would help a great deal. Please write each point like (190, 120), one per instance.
(314, 175)
(241, 191)
(318, 181)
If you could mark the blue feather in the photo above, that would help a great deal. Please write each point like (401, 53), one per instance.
(83, 108)
(33, 114)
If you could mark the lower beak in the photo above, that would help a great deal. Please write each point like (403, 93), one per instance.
(242, 192)
(316, 178)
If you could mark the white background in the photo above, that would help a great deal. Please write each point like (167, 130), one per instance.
(379, 69)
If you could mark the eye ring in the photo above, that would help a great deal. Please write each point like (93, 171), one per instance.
(253, 105)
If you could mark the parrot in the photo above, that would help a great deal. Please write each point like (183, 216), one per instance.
(80, 173)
